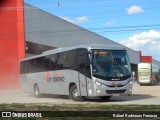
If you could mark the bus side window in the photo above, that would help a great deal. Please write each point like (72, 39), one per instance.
(30, 66)
(39, 64)
(47, 63)
(81, 66)
(23, 67)
(60, 60)
(84, 65)
(53, 62)
(70, 60)
(26, 67)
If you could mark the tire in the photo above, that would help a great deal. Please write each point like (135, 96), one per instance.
(74, 95)
(105, 97)
(36, 91)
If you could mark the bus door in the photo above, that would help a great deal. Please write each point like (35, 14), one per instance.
(84, 74)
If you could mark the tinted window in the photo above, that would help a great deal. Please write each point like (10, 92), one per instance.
(34, 65)
(39, 64)
(59, 61)
(23, 67)
(53, 61)
(84, 62)
(70, 60)
(47, 63)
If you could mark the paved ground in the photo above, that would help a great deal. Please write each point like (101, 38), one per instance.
(142, 95)
(146, 90)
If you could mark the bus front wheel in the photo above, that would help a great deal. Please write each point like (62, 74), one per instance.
(36, 91)
(74, 94)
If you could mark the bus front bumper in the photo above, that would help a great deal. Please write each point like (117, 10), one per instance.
(104, 90)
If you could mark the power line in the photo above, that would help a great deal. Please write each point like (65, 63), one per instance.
(90, 13)
(95, 14)
(62, 33)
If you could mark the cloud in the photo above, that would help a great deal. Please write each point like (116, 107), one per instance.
(67, 19)
(81, 19)
(134, 10)
(110, 23)
(77, 20)
(148, 42)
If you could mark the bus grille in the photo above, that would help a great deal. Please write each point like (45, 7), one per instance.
(115, 91)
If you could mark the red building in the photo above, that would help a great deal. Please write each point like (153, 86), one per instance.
(11, 42)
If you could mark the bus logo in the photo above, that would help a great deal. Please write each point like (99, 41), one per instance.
(54, 78)
(47, 75)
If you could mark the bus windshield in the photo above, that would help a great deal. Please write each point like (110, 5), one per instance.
(144, 72)
(110, 64)
(144, 69)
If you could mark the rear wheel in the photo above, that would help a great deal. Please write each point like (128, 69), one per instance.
(74, 94)
(36, 91)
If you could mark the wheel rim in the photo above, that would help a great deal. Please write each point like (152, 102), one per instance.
(75, 93)
(36, 91)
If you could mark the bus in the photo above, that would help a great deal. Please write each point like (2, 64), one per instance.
(148, 73)
(83, 71)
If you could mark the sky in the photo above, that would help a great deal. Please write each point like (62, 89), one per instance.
(133, 23)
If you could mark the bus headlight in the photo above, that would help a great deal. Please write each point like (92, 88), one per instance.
(98, 83)
(131, 82)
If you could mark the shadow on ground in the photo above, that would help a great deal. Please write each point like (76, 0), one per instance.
(97, 99)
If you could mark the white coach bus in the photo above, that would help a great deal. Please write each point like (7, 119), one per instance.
(148, 73)
(84, 71)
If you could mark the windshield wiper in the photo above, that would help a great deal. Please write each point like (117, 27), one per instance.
(120, 69)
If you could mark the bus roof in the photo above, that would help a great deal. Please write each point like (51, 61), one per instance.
(90, 46)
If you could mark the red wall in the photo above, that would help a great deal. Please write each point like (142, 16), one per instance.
(146, 59)
(11, 42)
